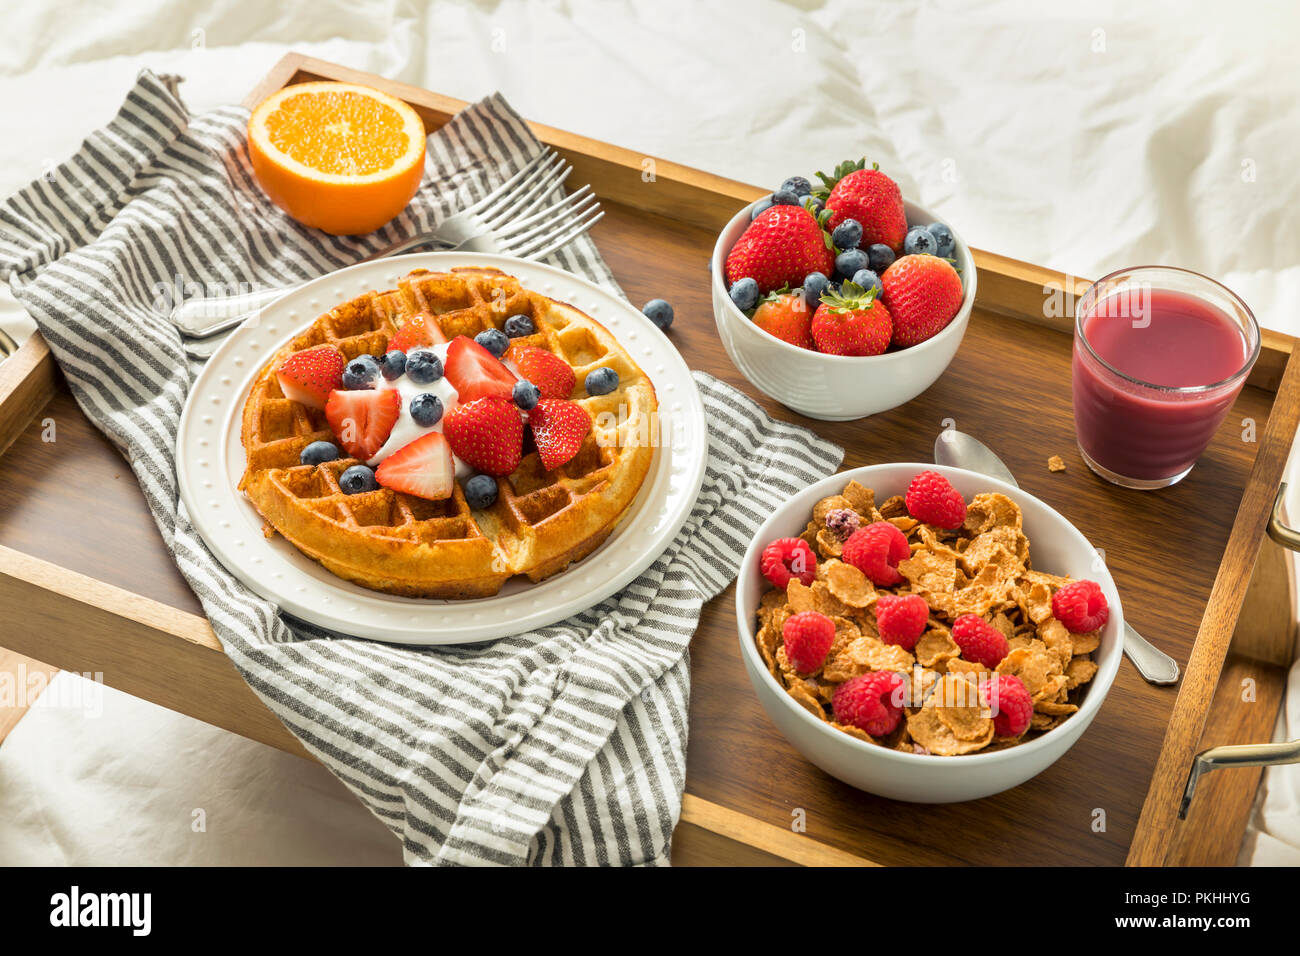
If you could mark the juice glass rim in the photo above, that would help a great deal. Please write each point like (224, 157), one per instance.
(1172, 389)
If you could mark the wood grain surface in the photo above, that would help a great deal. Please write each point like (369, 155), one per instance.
(73, 504)
(1008, 385)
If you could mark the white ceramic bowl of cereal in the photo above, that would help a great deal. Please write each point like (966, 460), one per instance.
(835, 387)
(1056, 546)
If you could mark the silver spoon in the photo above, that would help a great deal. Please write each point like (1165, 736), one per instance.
(960, 450)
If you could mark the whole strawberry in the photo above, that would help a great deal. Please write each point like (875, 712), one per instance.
(782, 246)
(487, 434)
(923, 294)
(785, 315)
(851, 322)
(868, 196)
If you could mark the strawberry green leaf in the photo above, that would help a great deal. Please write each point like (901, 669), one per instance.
(850, 297)
(841, 170)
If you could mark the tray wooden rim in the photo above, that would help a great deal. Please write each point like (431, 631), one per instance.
(106, 616)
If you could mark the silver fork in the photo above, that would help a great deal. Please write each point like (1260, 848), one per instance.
(508, 221)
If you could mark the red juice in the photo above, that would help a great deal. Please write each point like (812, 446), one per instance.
(1181, 361)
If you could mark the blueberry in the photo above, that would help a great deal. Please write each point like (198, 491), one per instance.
(481, 491)
(919, 242)
(601, 381)
(744, 293)
(760, 207)
(659, 312)
(814, 284)
(526, 395)
(361, 372)
(423, 366)
(319, 452)
(944, 241)
(847, 234)
(867, 280)
(393, 365)
(494, 340)
(783, 197)
(797, 185)
(849, 262)
(426, 409)
(518, 325)
(880, 257)
(357, 479)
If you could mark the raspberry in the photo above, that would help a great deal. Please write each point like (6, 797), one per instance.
(842, 522)
(979, 640)
(808, 635)
(876, 550)
(1081, 607)
(788, 558)
(930, 498)
(872, 702)
(901, 619)
(1011, 704)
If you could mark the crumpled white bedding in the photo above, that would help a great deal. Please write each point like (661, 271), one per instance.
(1082, 140)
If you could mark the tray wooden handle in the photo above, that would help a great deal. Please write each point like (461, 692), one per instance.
(1249, 755)
(7, 345)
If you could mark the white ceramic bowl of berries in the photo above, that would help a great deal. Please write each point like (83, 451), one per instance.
(837, 355)
(1056, 547)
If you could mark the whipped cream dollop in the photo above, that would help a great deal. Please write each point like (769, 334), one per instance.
(406, 430)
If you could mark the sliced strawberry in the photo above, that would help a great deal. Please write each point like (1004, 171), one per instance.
(423, 468)
(362, 420)
(476, 373)
(550, 373)
(558, 429)
(421, 329)
(487, 434)
(310, 375)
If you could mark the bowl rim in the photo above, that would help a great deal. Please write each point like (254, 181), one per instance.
(1087, 710)
(719, 259)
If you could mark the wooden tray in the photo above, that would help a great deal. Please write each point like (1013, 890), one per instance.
(81, 558)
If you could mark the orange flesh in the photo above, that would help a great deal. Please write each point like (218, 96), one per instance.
(338, 133)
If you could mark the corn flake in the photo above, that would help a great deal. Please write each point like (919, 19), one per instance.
(866, 654)
(991, 510)
(936, 645)
(927, 571)
(1036, 666)
(1086, 643)
(860, 498)
(848, 585)
(895, 507)
(828, 544)
(1079, 671)
(806, 696)
(928, 730)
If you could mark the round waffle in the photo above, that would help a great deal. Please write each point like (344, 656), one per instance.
(398, 543)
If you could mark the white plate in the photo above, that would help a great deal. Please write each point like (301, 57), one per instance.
(210, 461)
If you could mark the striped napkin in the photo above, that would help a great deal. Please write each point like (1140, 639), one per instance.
(566, 745)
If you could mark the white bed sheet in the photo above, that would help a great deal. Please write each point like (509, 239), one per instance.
(1083, 139)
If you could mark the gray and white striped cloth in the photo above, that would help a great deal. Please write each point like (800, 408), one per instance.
(566, 745)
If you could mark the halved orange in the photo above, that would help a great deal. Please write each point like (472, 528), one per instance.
(337, 156)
